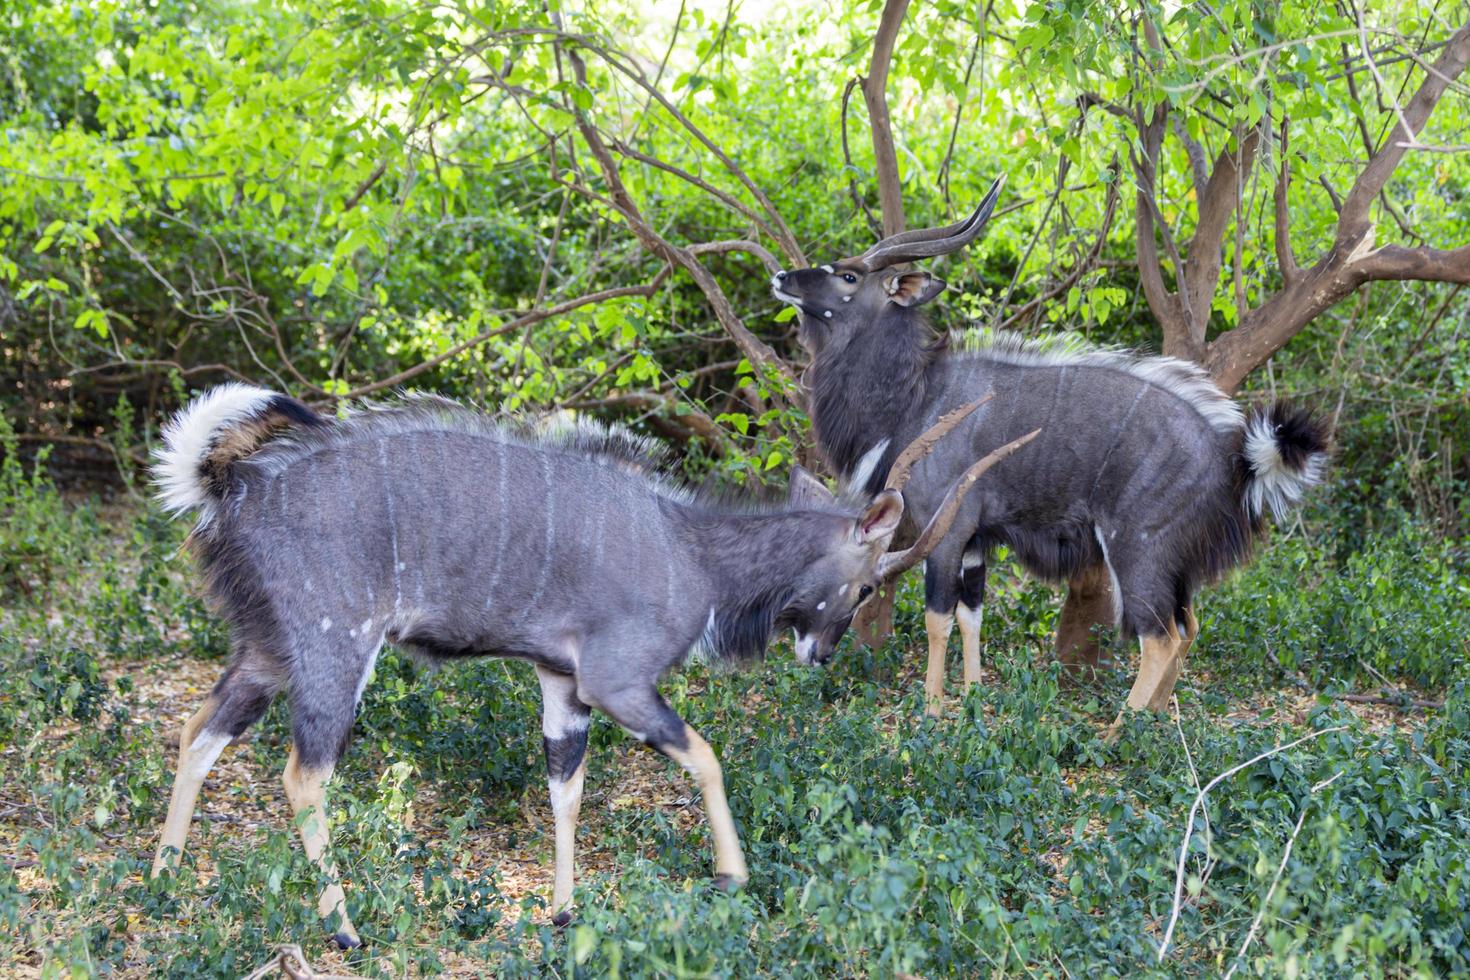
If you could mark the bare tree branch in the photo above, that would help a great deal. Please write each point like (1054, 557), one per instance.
(1216, 203)
(1352, 260)
(874, 86)
(1285, 259)
(760, 354)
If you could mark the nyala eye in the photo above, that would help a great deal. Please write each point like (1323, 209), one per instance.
(849, 277)
(864, 592)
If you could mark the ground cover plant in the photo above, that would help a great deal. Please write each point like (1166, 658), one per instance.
(1006, 838)
(549, 210)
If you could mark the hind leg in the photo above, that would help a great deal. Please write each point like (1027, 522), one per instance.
(236, 703)
(1158, 670)
(564, 722)
(1089, 604)
(323, 705)
(306, 790)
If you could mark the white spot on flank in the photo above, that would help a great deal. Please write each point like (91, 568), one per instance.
(326, 624)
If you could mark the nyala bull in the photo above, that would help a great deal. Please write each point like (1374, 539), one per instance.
(429, 526)
(1148, 482)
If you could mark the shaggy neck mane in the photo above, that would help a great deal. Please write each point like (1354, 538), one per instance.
(753, 561)
(867, 384)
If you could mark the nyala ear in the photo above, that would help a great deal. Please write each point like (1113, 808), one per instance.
(807, 490)
(912, 288)
(881, 518)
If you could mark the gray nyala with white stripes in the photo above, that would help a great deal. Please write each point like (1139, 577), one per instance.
(430, 526)
(1148, 483)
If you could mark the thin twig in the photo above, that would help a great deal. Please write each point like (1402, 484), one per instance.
(1280, 869)
(1199, 802)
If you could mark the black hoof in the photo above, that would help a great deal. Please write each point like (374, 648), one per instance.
(345, 940)
(562, 919)
(728, 883)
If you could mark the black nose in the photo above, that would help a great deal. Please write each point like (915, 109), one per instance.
(781, 274)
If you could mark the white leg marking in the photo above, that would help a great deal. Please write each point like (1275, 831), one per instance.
(1112, 576)
(203, 752)
(969, 619)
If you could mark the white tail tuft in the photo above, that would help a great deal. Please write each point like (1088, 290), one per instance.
(1274, 480)
(188, 438)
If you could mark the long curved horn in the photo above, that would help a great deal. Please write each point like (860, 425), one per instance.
(898, 473)
(897, 562)
(926, 243)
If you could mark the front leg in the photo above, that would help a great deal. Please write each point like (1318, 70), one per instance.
(970, 612)
(646, 716)
(941, 595)
(564, 722)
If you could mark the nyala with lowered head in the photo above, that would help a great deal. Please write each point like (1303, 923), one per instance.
(431, 526)
(1147, 483)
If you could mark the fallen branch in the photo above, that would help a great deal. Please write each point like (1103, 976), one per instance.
(292, 962)
(1199, 802)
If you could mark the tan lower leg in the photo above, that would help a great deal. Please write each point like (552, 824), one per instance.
(1157, 671)
(194, 764)
(699, 760)
(937, 625)
(566, 805)
(969, 620)
(306, 792)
